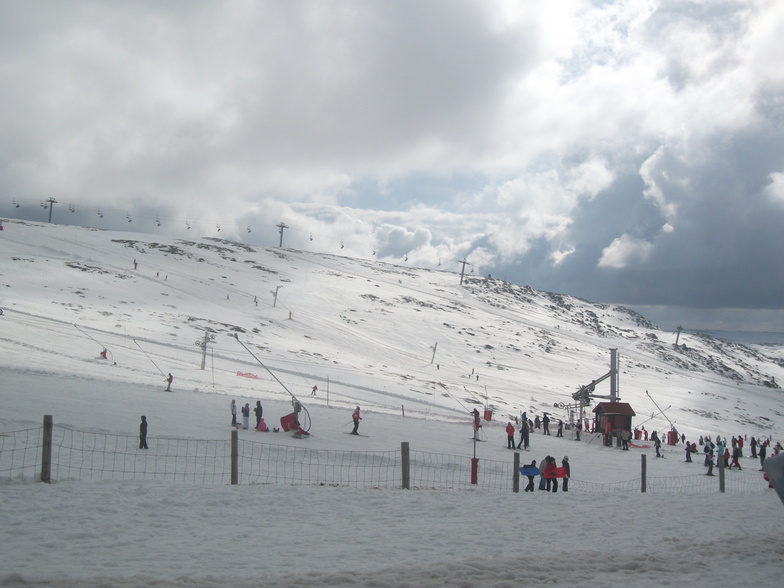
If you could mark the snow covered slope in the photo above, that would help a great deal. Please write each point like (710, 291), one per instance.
(392, 338)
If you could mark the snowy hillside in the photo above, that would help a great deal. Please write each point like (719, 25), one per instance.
(366, 330)
(417, 351)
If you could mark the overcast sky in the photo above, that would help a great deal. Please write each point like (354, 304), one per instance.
(626, 152)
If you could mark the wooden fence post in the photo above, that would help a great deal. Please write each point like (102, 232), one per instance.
(721, 473)
(46, 451)
(405, 465)
(235, 452)
(516, 475)
(643, 473)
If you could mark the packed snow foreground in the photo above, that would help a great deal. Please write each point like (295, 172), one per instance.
(84, 531)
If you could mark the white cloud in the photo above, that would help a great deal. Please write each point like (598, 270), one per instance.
(624, 251)
(774, 191)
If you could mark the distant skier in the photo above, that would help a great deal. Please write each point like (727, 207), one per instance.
(735, 456)
(143, 433)
(545, 424)
(169, 380)
(477, 423)
(314, 390)
(753, 448)
(103, 353)
(657, 444)
(559, 433)
(259, 411)
(356, 418)
(524, 435)
(565, 465)
(510, 435)
(537, 422)
(233, 413)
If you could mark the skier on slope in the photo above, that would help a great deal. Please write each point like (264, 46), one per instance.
(545, 424)
(735, 456)
(657, 444)
(169, 380)
(524, 435)
(356, 418)
(477, 424)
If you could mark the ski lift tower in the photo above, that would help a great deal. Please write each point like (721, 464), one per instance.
(586, 394)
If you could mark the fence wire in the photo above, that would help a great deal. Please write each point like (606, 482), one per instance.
(20, 453)
(261, 463)
(89, 456)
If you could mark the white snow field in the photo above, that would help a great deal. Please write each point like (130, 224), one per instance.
(365, 333)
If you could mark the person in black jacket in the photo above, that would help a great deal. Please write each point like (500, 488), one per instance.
(523, 435)
(530, 487)
(143, 433)
(545, 424)
(259, 412)
(565, 465)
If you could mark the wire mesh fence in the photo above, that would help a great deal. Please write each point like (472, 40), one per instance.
(20, 453)
(91, 456)
(262, 463)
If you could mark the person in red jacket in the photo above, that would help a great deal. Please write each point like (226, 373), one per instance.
(549, 475)
(477, 423)
(510, 433)
(356, 418)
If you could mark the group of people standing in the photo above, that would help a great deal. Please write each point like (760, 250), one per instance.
(258, 410)
(720, 450)
(549, 474)
(526, 427)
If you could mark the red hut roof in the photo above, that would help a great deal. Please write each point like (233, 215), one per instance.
(622, 408)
